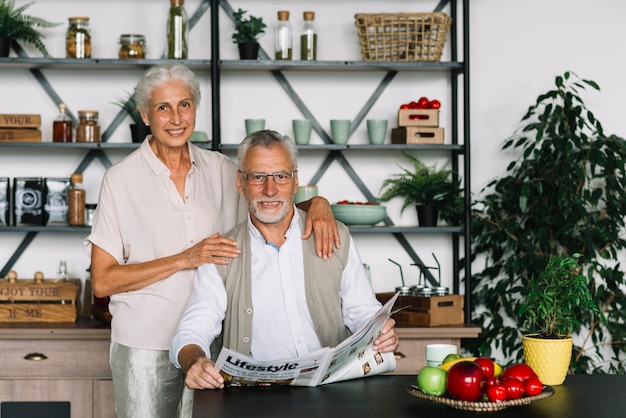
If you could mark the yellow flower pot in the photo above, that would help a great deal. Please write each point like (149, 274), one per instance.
(549, 358)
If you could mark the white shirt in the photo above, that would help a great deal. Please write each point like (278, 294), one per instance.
(282, 326)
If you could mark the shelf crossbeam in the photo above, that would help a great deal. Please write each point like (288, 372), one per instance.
(30, 236)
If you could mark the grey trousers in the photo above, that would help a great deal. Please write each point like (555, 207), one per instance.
(147, 385)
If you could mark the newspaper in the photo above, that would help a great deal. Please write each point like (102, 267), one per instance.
(352, 359)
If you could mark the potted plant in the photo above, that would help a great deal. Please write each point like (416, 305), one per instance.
(563, 192)
(435, 192)
(17, 26)
(552, 308)
(247, 32)
(138, 129)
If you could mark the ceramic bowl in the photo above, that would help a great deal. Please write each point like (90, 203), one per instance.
(359, 215)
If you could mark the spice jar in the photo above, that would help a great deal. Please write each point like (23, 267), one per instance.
(76, 201)
(88, 129)
(78, 38)
(132, 46)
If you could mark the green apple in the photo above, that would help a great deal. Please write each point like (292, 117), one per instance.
(451, 357)
(432, 380)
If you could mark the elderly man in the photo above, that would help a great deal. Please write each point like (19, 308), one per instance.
(277, 299)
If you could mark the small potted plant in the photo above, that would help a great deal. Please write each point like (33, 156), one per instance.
(433, 190)
(247, 32)
(138, 129)
(17, 26)
(556, 298)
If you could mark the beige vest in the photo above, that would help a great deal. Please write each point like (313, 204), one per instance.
(322, 281)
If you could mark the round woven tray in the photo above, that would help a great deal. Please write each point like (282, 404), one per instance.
(484, 406)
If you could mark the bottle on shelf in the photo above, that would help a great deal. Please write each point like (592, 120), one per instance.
(63, 274)
(177, 30)
(283, 36)
(62, 126)
(76, 201)
(308, 38)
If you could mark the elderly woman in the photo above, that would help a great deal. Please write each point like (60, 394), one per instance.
(161, 213)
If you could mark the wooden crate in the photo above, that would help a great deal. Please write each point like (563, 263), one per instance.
(20, 135)
(421, 311)
(418, 117)
(416, 135)
(20, 120)
(48, 301)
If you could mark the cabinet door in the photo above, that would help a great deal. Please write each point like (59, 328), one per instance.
(103, 401)
(62, 358)
(79, 393)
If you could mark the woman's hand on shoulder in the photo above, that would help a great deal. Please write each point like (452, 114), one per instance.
(320, 220)
(214, 249)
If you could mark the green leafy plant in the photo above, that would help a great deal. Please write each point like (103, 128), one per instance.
(428, 186)
(565, 193)
(130, 106)
(247, 30)
(556, 297)
(16, 25)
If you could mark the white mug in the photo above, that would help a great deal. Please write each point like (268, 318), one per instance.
(436, 353)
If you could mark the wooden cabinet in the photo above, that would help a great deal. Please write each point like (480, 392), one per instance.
(58, 362)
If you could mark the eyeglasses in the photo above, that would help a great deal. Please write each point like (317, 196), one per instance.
(258, 179)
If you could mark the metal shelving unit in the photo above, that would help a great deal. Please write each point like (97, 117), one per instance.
(458, 73)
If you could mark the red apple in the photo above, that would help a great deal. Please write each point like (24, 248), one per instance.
(521, 371)
(487, 365)
(465, 381)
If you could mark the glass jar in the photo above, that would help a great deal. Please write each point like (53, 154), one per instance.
(90, 210)
(283, 34)
(132, 46)
(88, 129)
(78, 38)
(308, 38)
(177, 30)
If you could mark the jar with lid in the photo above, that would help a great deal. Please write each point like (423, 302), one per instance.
(283, 37)
(78, 38)
(308, 38)
(76, 201)
(132, 46)
(88, 129)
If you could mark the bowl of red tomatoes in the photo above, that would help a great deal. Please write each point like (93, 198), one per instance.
(359, 213)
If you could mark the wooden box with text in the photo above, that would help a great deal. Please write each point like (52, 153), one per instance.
(18, 127)
(416, 135)
(422, 311)
(418, 117)
(48, 301)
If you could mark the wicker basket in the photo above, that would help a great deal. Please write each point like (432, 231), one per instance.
(402, 36)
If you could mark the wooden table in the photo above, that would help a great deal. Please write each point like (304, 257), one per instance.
(581, 396)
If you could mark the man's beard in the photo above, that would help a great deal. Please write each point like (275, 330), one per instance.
(272, 215)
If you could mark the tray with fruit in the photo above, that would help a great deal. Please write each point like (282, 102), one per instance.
(479, 384)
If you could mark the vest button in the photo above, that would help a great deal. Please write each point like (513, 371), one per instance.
(246, 340)
(249, 311)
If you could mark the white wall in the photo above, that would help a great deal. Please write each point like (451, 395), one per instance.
(517, 48)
